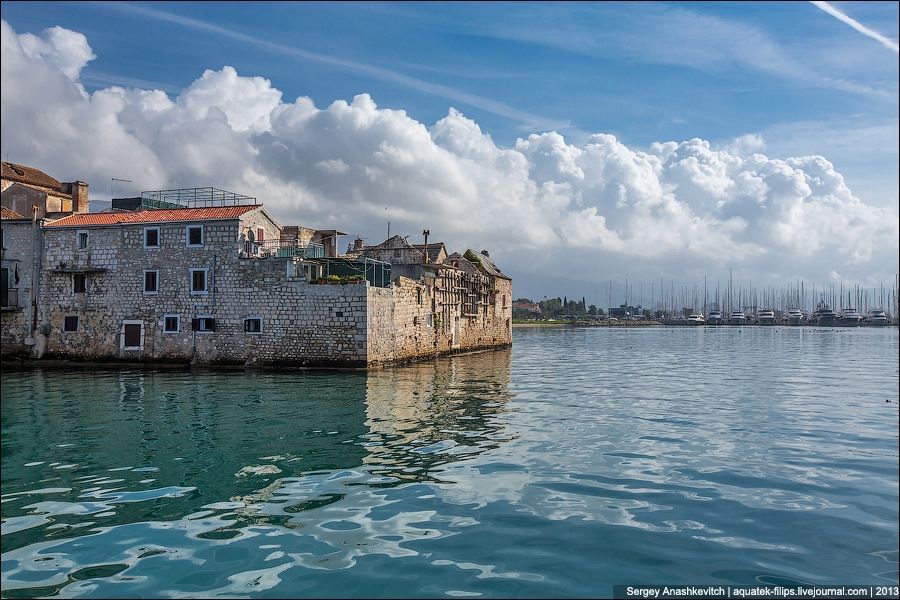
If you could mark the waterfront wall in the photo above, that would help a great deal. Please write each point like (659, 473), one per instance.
(95, 303)
(21, 249)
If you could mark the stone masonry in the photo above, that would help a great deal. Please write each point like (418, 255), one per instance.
(105, 294)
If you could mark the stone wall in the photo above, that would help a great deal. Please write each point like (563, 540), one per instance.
(302, 324)
(21, 241)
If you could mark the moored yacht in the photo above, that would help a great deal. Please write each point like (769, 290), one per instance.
(850, 317)
(696, 318)
(877, 317)
(793, 316)
(825, 316)
(737, 317)
(715, 318)
(765, 316)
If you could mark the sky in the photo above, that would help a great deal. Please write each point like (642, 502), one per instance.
(577, 142)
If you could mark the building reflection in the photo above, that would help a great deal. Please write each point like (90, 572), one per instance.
(426, 415)
(252, 448)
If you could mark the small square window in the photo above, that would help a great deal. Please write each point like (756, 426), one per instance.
(204, 324)
(253, 325)
(151, 237)
(198, 281)
(82, 240)
(79, 283)
(171, 324)
(70, 324)
(151, 282)
(195, 235)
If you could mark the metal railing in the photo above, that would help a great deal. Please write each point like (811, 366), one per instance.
(9, 298)
(280, 249)
(202, 197)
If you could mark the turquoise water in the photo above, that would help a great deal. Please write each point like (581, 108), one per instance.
(580, 459)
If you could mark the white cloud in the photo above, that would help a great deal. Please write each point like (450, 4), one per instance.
(586, 211)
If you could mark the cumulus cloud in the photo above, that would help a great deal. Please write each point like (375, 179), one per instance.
(584, 212)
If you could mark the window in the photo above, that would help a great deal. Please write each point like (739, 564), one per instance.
(204, 324)
(151, 237)
(198, 281)
(396, 253)
(260, 234)
(253, 325)
(82, 239)
(79, 283)
(194, 235)
(171, 323)
(151, 282)
(132, 335)
(419, 295)
(70, 324)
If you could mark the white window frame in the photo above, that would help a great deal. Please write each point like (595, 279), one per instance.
(122, 345)
(144, 283)
(177, 324)
(253, 318)
(193, 292)
(158, 238)
(187, 236)
(204, 331)
(87, 239)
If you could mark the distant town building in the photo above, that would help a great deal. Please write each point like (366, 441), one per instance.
(529, 307)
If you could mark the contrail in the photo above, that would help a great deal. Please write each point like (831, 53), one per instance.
(834, 12)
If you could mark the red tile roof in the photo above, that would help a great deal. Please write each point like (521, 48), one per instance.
(162, 215)
(11, 215)
(28, 175)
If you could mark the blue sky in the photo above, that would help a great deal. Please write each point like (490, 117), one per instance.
(798, 78)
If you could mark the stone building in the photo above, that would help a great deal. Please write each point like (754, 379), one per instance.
(230, 285)
(27, 190)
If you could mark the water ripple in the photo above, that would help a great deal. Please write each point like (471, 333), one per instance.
(578, 460)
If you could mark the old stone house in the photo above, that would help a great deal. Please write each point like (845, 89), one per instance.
(31, 192)
(230, 285)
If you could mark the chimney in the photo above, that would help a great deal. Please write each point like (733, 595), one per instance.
(358, 244)
(485, 252)
(79, 197)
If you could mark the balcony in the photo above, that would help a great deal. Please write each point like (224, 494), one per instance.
(280, 249)
(9, 299)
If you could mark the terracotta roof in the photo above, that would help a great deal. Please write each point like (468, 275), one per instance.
(29, 175)
(163, 215)
(10, 215)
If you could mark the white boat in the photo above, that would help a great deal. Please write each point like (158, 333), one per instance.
(765, 316)
(715, 318)
(850, 317)
(793, 316)
(825, 316)
(696, 318)
(737, 317)
(877, 317)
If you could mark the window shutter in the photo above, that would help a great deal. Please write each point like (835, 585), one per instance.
(212, 324)
(195, 324)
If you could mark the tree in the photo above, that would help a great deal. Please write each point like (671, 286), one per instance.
(592, 310)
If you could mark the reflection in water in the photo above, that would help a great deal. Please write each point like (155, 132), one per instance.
(426, 415)
(177, 467)
(575, 461)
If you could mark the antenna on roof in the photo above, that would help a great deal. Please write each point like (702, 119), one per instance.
(112, 185)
